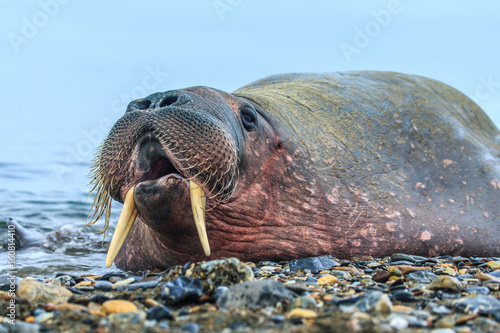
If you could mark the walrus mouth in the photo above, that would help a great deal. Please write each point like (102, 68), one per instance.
(129, 214)
(169, 143)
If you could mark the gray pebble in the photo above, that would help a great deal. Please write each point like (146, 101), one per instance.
(341, 274)
(134, 317)
(439, 309)
(313, 263)
(478, 290)
(258, 293)
(407, 257)
(278, 318)
(24, 327)
(421, 276)
(369, 300)
(191, 328)
(115, 279)
(402, 262)
(141, 285)
(44, 317)
(103, 285)
(482, 304)
(443, 330)
(304, 302)
(398, 322)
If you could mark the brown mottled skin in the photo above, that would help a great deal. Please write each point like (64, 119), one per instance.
(341, 163)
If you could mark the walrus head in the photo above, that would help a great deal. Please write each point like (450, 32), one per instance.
(163, 159)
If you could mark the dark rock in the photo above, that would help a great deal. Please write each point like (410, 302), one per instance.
(103, 285)
(238, 327)
(77, 291)
(191, 328)
(381, 276)
(478, 290)
(313, 263)
(159, 313)
(403, 296)
(255, 294)
(182, 289)
(183, 312)
(482, 304)
(346, 301)
(185, 268)
(278, 318)
(397, 285)
(98, 298)
(421, 276)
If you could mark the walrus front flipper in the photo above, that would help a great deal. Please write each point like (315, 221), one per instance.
(24, 237)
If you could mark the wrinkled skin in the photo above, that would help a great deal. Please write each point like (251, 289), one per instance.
(342, 163)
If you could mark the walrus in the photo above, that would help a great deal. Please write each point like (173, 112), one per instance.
(300, 165)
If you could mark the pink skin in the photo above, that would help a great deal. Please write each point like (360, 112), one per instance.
(244, 226)
(170, 237)
(288, 205)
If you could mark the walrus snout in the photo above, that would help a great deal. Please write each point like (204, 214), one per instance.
(159, 100)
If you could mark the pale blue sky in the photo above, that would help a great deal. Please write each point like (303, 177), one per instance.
(68, 68)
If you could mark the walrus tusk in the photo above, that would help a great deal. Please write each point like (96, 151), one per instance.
(198, 201)
(125, 222)
(129, 213)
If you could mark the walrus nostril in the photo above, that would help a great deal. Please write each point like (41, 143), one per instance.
(140, 104)
(169, 100)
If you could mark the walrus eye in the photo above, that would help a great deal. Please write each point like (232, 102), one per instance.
(248, 118)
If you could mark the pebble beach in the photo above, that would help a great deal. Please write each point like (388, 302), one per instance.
(401, 293)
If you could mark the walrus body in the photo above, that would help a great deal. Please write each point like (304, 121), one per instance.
(344, 163)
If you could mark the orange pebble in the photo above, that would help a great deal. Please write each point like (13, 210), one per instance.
(398, 308)
(118, 306)
(327, 279)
